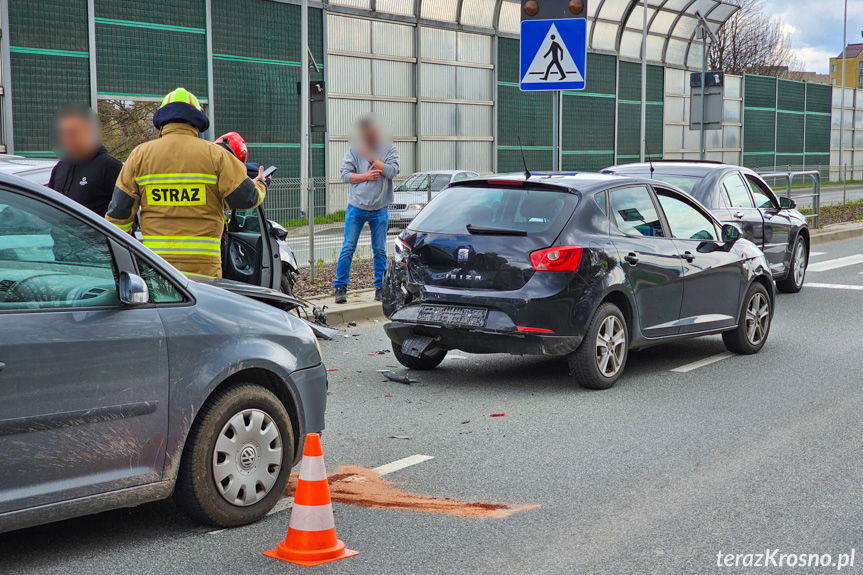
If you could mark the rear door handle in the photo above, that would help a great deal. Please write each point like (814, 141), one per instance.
(632, 258)
(2, 365)
(738, 215)
(688, 257)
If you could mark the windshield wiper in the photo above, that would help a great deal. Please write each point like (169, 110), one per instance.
(478, 231)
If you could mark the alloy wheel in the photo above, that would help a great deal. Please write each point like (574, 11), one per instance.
(610, 346)
(247, 457)
(757, 318)
(800, 263)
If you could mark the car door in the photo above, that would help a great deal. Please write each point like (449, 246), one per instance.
(742, 209)
(248, 255)
(711, 275)
(777, 226)
(83, 378)
(649, 259)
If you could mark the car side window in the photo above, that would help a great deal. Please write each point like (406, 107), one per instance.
(763, 198)
(245, 221)
(685, 221)
(634, 213)
(461, 176)
(51, 259)
(738, 193)
(162, 290)
(601, 202)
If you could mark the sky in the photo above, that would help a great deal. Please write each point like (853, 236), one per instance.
(815, 28)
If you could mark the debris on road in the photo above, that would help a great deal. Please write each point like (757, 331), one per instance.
(398, 378)
(352, 324)
(399, 437)
(359, 486)
(498, 414)
(379, 352)
(466, 421)
(331, 370)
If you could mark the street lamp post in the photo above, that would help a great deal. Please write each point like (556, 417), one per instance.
(842, 110)
(644, 84)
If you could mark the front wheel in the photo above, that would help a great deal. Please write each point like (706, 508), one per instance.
(237, 458)
(599, 361)
(754, 327)
(287, 282)
(425, 362)
(793, 282)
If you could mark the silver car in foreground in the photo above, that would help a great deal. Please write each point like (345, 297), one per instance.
(414, 193)
(123, 382)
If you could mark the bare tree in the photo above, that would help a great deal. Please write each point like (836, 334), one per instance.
(753, 42)
(125, 124)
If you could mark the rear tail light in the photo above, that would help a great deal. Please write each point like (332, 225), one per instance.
(402, 252)
(556, 259)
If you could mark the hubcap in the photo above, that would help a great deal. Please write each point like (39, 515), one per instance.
(800, 264)
(610, 346)
(757, 318)
(247, 457)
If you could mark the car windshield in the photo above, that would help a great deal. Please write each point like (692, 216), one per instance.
(505, 210)
(421, 182)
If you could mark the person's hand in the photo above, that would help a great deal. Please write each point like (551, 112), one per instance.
(372, 175)
(261, 177)
(378, 165)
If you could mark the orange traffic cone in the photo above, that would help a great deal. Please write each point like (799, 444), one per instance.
(311, 538)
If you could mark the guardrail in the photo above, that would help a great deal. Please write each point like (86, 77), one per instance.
(815, 196)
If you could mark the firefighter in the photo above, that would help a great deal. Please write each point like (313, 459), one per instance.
(235, 144)
(181, 184)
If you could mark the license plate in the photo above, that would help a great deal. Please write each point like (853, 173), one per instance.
(453, 315)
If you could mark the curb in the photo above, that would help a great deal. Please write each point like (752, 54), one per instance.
(340, 314)
(847, 233)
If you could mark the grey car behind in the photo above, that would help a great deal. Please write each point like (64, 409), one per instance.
(122, 381)
(414, 193)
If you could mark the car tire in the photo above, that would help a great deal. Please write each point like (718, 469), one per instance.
(286, 285)
(751, 333)
(793, 282)
(426, 362)
(198, 491)
(595, 369)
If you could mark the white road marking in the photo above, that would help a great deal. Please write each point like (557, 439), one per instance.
(834, 286)
(702, 362)
(286, 502)
(813, 254)
(401, 464)
(834, 264)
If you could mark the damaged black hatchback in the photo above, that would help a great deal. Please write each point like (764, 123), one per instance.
(582, 266)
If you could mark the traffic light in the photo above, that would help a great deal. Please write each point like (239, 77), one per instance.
(553, 9)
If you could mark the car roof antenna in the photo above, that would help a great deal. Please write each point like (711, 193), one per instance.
(527, 173)
(649, 157)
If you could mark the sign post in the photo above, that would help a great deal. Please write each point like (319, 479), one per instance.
(553, 53)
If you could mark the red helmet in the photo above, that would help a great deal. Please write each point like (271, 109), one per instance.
(235, 143)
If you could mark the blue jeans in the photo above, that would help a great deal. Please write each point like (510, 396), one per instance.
(379, 222)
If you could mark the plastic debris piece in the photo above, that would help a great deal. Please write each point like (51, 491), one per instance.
(398, 378)
(332, 370)
(399, 437)
(498, 414)
(352, 324)
(463, 422)
(388, 396)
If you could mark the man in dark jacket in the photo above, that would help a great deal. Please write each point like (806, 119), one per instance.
(87, 173)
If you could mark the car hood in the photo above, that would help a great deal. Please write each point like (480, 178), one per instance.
(264, 295)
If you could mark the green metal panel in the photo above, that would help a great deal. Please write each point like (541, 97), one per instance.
(508, 60)
(789, 133)
(819, 101)
(588, 118)
(758, 160)
(49, 51)
(819, 98)
(759, 91)
(791, 96)
(509, 159)
(188, 13)
(149, 61)
(601, 74)
(817, 135)
(575, 161)
(629, 112)
(51, 24)
(758, 133)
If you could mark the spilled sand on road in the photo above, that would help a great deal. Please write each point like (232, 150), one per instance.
(360, 486)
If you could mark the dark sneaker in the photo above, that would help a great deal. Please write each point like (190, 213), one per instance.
(341, 295)
(378, 294)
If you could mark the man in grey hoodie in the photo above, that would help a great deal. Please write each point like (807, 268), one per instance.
(369, 167)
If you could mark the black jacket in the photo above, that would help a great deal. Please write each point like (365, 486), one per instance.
(90, 183)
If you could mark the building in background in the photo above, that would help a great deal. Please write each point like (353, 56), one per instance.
(853, 67)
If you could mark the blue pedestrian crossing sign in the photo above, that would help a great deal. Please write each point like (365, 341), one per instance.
(553, 54)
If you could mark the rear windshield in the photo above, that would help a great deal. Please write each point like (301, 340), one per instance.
(517, 209)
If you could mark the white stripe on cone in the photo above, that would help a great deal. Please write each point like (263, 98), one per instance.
(312, 468)
(312, 517)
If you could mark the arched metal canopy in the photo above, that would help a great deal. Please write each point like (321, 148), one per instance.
(614, 26)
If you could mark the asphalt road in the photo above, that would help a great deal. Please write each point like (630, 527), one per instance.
(656, 475)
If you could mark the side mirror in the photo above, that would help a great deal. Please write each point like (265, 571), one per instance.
(787, 203)
(133, 289)
(730, 234)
